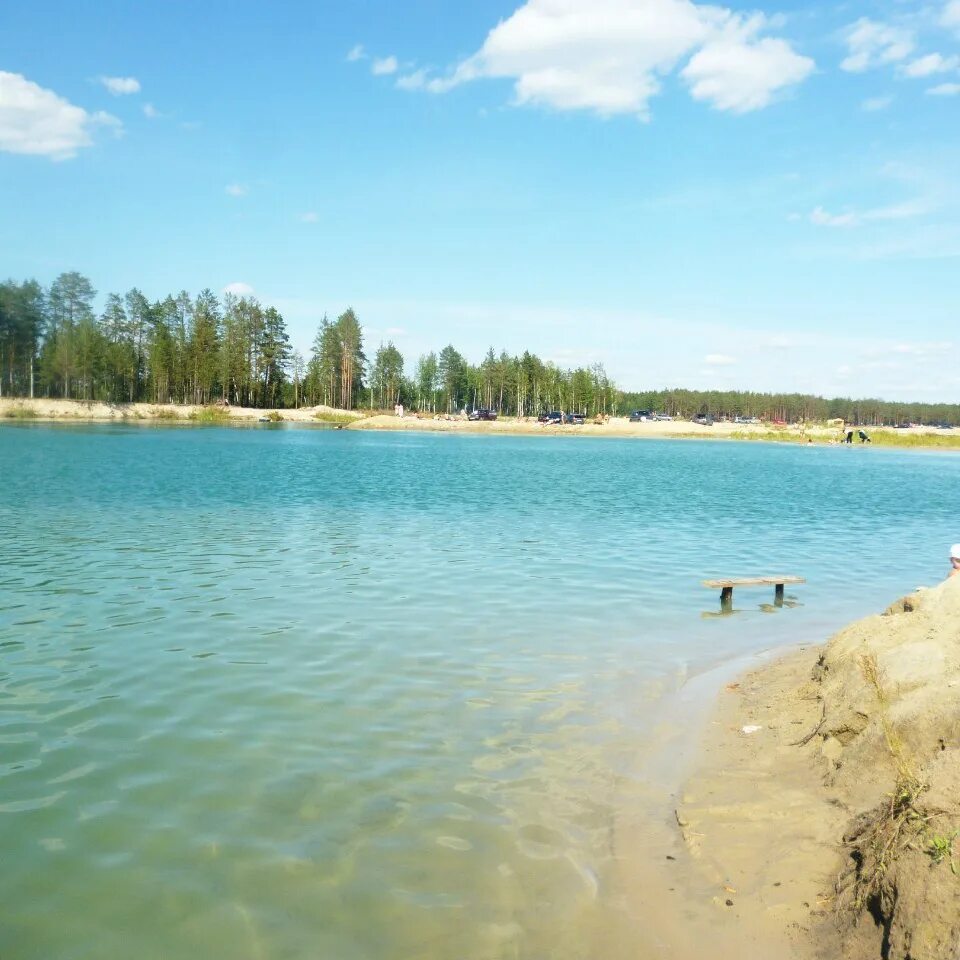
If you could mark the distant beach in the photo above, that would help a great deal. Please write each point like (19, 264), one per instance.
(619, 427)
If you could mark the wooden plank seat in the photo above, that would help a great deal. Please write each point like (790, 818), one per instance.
(726, 587)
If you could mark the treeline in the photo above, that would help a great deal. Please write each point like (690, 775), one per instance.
(203, 349)
(446, 382)
(789, 407)
(176, 350)
(510, 385)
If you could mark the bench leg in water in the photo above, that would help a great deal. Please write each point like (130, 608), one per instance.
(778, 595)
(726, 599)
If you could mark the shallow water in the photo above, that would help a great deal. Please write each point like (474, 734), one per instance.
(277, 692)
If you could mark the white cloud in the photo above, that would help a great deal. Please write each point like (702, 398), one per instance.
(944, 90)
(239, 289)
(822, 218)
(413, 81)
(950, 17)
(740, 72)
(236, 189)
(120, 86)
(36, 121)
(395, 331)
(930, 64)
(384, 67)
(897, 211)
(782, 342)
(923, 349)
(874, 104)
(719, 360)
(150, 111)
(356, 53)
(610, 56)
(872, 44)
(309, 217)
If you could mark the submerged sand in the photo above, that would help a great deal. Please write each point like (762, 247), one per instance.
(822, 817)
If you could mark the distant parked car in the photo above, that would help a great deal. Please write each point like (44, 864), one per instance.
(481, 415)
(575, 418)
(642, 416)
(551, 417)
(704, 419)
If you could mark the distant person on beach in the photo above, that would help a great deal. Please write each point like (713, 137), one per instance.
(848, 438)
(863, 437)
(954, 561)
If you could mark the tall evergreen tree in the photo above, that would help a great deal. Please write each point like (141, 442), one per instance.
(427, 382)
(69, 301)
(451, 371)
(352, 359)
(387, 375)
(204, 340)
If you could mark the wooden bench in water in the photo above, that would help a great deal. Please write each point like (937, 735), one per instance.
(726, 587)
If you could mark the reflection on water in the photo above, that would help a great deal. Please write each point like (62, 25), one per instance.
(293, 693)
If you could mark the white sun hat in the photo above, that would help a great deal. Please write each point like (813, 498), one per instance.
(955, 552)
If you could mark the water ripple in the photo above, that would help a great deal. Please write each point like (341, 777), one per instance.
(328, 694)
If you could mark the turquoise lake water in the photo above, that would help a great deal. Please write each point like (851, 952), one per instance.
(287, 693)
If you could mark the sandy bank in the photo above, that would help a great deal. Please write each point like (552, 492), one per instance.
(617, 427)
(825, 807)
(667, 429)
(81, 411)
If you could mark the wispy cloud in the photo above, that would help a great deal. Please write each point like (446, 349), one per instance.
(384, 67)
(413, 81)
(897, 211)
(239, 289)
(34, 120)
(950, 15)
(151, 112)
(719, 360)
(875, 104)
(930, 64)
(356, 53)
(944, 90)
(923, 349)
(823, 218)
(872, 44)
(236, 189)
(309, 216)
(120, 86)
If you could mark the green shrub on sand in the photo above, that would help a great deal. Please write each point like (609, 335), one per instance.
(210, 415)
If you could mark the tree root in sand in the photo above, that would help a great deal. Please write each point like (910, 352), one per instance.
(899, 893)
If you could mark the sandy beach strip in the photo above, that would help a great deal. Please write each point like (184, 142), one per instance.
(617, 427)
(822, 814)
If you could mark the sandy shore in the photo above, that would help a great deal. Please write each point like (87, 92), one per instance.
(80, 411)
(619, 427)
(822, 815)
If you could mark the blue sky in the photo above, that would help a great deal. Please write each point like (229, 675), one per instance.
(744, 196)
